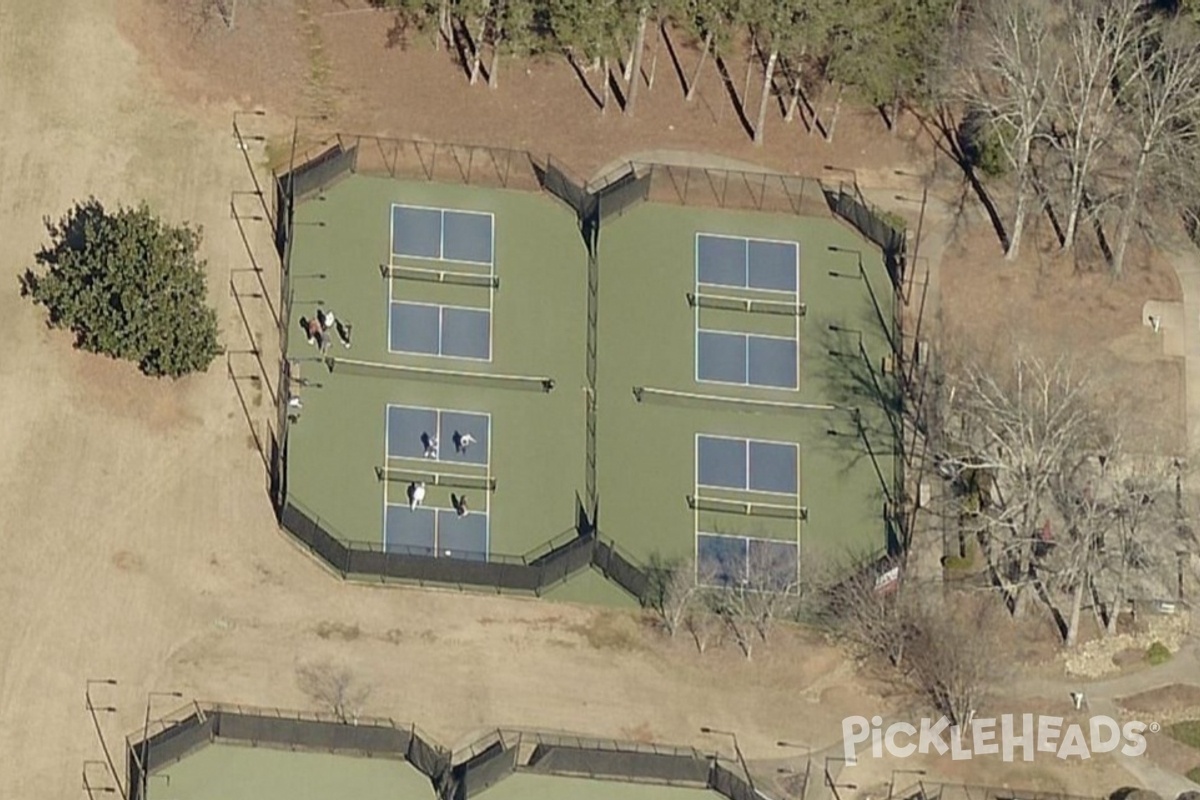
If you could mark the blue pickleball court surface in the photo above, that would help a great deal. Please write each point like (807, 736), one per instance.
(462, 436)
(742, 263)
(442, 234)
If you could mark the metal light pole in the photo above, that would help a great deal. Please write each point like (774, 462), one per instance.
(145, 769)
(92, 709)
(737, 750)
(807, 762)
(895, 772)
(87, 784)
(833, 787)
(241, 143)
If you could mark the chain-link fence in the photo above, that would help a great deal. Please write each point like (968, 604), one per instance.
(203, 724)
(533, 573)
(453, 776)
(593, 204)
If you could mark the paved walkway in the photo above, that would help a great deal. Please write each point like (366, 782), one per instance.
(1187, 267)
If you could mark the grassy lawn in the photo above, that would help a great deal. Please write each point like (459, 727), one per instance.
(1186, 732)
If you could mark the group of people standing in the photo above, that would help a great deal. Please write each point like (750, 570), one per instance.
(319, 327)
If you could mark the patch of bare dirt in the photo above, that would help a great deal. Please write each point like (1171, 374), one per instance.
(1172, 700)
(1047, 302)
(339, 58)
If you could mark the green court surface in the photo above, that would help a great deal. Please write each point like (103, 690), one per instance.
(647, 338)
(825, 409)
(240, 772)
(525, 786)
(339, 441)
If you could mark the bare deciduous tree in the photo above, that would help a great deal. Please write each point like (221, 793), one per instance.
(1015, 427)
(946, 651)
(955, 656)
(1161, 101)
(874, 623)
(752, 605)
(675, 593)
(1099, 38)
(1015, 70)
(334, 687)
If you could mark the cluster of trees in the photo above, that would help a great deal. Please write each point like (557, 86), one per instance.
(945, 653)
(881, 52)
(1090, 111)
(710, 605)
(1066, 507)
(1085, 109)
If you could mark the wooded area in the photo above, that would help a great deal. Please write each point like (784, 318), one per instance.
(1084, 110)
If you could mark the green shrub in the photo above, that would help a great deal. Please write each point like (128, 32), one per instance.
(127, 285)
(1193, 774)
(1157, 654)
(981, 143)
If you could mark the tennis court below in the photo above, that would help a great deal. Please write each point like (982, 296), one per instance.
(449, 382)
(734, 452)
(461, 423)
(526, 786)
(237, 772)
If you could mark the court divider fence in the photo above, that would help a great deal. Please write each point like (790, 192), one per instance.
(318, 167)
(459, 775)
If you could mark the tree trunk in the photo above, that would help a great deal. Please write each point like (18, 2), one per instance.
(1076, 206)
(1129, 213)
(695, 81)
(477, 51)
(1073, 617)
(443, 25)
(494, 67)
(607, 89)
(768, 84)
(654, 55)
(1114, 613)
(1018, 226)
(837, 109)
(635, 81)
(793, 101)
(749, 72)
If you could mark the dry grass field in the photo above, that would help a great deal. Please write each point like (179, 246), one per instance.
(138, 539)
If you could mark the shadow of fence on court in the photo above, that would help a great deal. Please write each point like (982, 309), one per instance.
(460, 775)
(534, 573)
